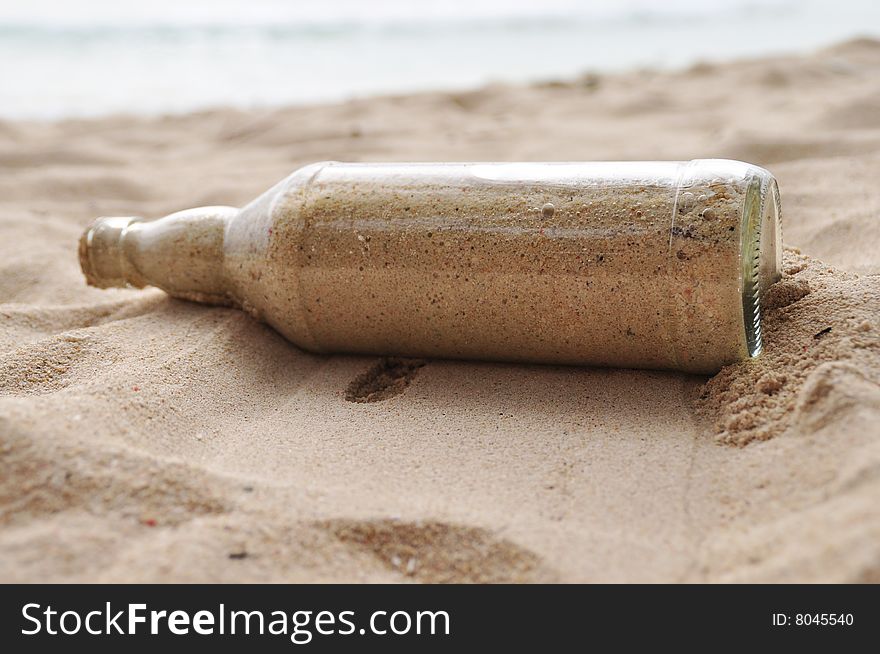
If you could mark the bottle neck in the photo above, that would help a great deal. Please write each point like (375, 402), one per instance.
(182, 253)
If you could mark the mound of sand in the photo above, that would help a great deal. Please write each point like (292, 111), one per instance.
(822, 337)
(147, 439)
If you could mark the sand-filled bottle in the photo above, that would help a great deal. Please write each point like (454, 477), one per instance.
(637, 264)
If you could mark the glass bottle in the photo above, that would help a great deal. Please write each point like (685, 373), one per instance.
(630, 264)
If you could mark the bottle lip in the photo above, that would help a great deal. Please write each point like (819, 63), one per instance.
(100, 251)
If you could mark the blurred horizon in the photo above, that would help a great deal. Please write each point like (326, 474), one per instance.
(99, 57)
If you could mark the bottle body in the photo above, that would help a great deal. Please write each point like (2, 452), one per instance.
(639, 264)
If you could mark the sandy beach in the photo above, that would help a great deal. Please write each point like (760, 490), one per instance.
(145, 439)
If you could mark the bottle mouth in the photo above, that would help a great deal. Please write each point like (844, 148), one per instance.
(100, 251)
(761, 253)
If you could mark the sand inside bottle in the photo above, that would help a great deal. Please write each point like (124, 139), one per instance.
(490, 262)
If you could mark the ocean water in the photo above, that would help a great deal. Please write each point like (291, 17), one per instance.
(95, 57)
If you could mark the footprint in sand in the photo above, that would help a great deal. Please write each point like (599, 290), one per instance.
(440, 552)
(388, 377)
